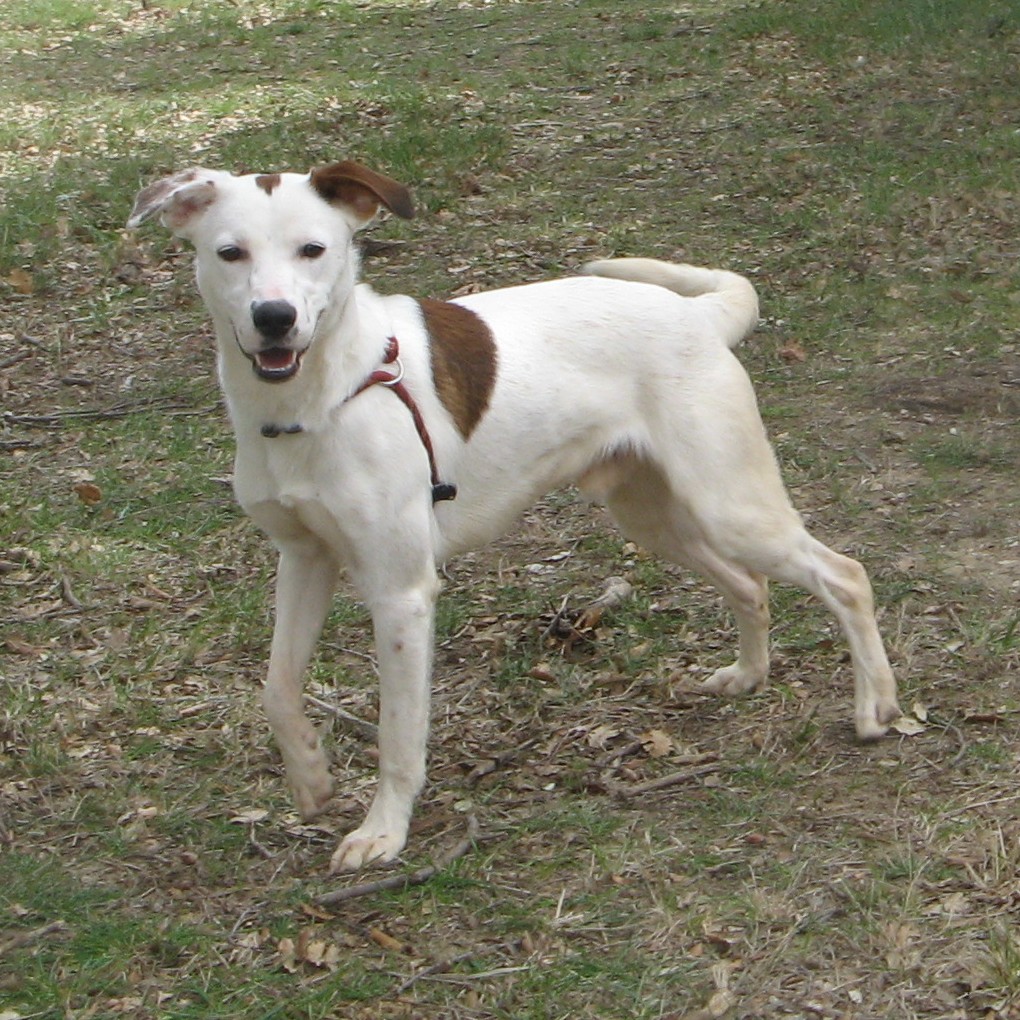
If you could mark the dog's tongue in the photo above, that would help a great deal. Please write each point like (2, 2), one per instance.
(276, 359)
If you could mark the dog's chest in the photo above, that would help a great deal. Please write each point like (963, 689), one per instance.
(285, 484)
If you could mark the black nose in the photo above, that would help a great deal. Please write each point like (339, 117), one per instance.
(273, 319)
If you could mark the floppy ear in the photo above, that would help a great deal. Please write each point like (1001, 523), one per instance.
(361, 191)
(176, 199)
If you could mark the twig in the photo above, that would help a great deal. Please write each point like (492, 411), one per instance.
(14, 359)
(483, 975)
(960, 739)
(68, 594)
(19, 444)
(361, 726)
(261, 850)
(714, 128)
(59, 418)
(673, 779)
(963, 809)
(439, 967)
(25, 937)
(499, 760)
(553, 630)
(623, 751)
(419, 877)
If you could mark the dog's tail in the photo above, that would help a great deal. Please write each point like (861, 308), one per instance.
(733, 294)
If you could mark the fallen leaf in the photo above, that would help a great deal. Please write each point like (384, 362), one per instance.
(288, 955)
(599, 737)
(983, 717)
(908, 726)
(89, 493)
(721, 1003)
(380, 938)
(249, 817)
(19, 647)
(589, 618)
(317, 912)
(792, 352)
(320, 953)
(656, 743)
(21, 281)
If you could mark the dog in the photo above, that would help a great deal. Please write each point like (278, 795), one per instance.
(385, 434)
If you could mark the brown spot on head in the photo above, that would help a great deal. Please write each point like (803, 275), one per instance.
(268, 182)
(463, 361)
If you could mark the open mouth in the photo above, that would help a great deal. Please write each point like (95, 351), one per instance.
(277, 364)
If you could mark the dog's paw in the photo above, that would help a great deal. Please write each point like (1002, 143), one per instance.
(360, 849)
(734, 680)
(873, 721)
(312, 789)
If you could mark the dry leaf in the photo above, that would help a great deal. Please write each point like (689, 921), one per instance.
(19, 647)
(249, 817)
(722, 1000)
(89, 493)
(21, 281)
(792, 352)
(721, 1003)
(908, 726)
(599, 737)
(312, 910)
(656, 743)
(589, 618)
(320, 953)
(380, 938)
(288, 955)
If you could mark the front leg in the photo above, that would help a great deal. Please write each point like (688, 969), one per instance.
(403, 624)
(305, 582)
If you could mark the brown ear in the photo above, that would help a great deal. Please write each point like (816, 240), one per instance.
(361, 190)
(175, 199)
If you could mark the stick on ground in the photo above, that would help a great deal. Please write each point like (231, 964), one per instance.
(419, 877)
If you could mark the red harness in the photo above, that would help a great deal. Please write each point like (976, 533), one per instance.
(394, 380)
(440, 490)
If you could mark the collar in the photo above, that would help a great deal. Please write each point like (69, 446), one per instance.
(394, 380)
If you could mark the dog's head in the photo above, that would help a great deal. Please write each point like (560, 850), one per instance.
(271, 249)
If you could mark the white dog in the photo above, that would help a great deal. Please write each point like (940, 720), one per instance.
(621, 381)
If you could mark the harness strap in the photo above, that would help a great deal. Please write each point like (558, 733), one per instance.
(394, 380)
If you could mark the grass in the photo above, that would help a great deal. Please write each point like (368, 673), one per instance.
(857, 160)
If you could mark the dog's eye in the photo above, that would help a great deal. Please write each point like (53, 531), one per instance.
(230, 253)
(313, 250)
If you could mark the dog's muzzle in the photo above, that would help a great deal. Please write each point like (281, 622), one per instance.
(274, 320)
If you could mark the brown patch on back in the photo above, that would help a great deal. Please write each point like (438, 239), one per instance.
(268, 182)
(463, 361)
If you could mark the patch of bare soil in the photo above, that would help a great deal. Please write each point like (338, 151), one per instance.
(977, 389)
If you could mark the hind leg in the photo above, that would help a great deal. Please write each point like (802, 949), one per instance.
(737, 534)
(843, 585)
(747, 595)
(763, 539)
(647, 514)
